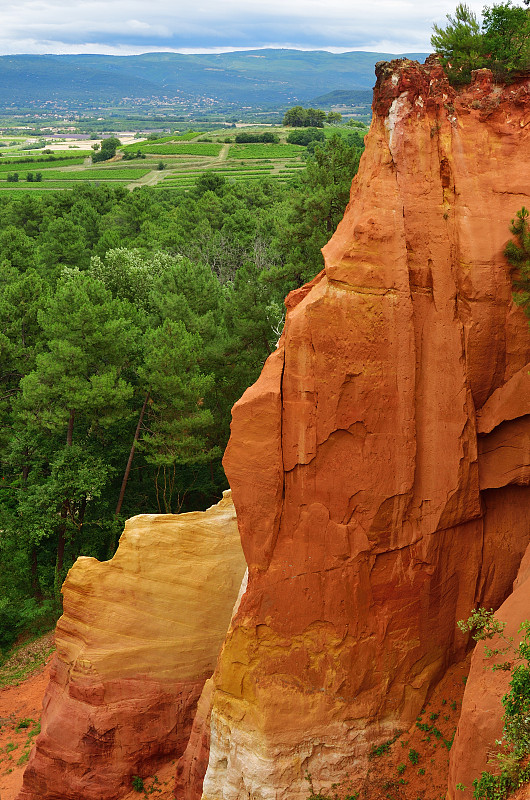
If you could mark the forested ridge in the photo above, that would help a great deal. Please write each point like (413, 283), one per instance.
(136, 317)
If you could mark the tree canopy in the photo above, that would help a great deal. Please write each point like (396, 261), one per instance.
(501, 43)
(130, 323)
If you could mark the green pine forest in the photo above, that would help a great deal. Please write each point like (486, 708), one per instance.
(130, 323)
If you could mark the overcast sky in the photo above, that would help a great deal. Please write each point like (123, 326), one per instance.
(126, 27)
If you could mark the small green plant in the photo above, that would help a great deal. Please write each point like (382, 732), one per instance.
(461, 787)
(421, 771)
(414, 756)
(384, 747)
(314, 795)
(401, 769)
(453, 705)
(433, 716)
(24, 723)
(137, 783)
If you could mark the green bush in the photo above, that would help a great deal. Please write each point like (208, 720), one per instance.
(137, 783)
(305, 135)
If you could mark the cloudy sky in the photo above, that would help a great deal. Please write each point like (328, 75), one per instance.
(124, 27)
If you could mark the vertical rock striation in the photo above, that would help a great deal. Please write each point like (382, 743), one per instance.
(139, 636)
(376, 508)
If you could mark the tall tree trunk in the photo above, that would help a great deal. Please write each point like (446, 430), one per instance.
(35, 585)
(131, 456)
(80, 520)
(64, 512)
(112, 543)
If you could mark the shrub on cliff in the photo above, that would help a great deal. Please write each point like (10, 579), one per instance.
(518, 254)
(502, 43)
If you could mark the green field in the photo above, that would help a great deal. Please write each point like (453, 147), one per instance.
(182, 137)
(235, 162)
(85, 175)
(40, 166)
(176, 149)
(265, 151)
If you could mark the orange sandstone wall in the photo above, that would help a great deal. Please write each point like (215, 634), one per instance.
(139, 635)
(372, 512)
(504, 425)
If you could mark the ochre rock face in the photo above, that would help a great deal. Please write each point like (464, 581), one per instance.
(374, 509)
(480, 723)
(139, 635)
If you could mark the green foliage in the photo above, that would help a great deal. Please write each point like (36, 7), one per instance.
(303, 136)
(299, 117)
(413, 756)
(108, 298)
(317, 207)
(518, 254)
(459, 44)
(506, 39)
(384, 747)
(502, 43)
(137, 783)
(107, 150)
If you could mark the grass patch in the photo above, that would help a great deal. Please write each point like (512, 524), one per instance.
(24, 659)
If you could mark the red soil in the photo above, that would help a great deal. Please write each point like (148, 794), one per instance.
(19, 702)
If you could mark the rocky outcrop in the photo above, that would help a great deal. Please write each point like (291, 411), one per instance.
(139, 636)
(376, 508)
(480, 723)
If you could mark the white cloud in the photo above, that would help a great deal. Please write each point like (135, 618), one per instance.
(132, 26)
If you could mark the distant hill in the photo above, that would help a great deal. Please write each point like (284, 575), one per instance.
(343, 97)
(255, 77)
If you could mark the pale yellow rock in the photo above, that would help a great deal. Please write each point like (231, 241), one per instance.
(162, 605)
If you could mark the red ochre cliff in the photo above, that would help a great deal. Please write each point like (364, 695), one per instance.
(378, 466)
(380, 471)
(139, 635)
